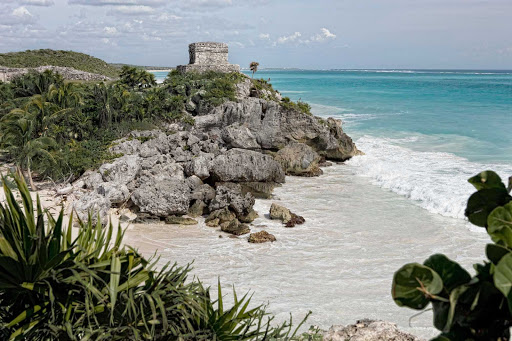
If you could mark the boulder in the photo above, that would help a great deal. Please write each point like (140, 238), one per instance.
(163, 198)
(368, 330)
(178, 220)
(230, 195)
(204, 192)
(200, 166)
(223, 215)
(115, 193)
(240, 165)
(299, 159)
(295, 220)
(91, 179)
(260, 190)
(261, 237)
(249, 217)
(280, 213)
(122, 170)
(95, 204)
(236, 136)
(197, 209)
(213, 223)
(126, 147)
(235, 227)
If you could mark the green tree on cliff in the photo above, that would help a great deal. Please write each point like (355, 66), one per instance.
(254, 67)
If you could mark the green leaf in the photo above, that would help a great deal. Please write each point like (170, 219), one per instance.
(495, 252)
(503, 277)
(483, 202)
(486, 179)
(414, 285)
(450, 272)
(499, 225)
(441, 310)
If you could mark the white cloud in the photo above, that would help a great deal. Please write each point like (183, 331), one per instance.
(150, 3)
(131, 10)
(324, 35)
(38, 2)
(110, 31)
(264, 36)
(289, 39)
(21, 12)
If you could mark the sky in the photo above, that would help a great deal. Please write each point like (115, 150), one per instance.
(311, 34)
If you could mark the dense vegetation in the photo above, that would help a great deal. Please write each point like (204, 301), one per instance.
(60, 129)
(468, 307)
(92, 287)
(76, 60)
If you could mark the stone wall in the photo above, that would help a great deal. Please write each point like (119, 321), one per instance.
(208, 56)
(7, 74)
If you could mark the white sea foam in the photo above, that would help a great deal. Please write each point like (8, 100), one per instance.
(436, 181)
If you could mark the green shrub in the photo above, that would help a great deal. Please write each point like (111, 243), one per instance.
(76, 60)
(300, 106)
(468, 307)
(92, 287)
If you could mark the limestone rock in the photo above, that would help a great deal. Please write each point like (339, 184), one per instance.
(261, 237)
(295, 220)
(93, 203)
(92, 179)
(126, 147)
(178, 220)
(368, 330)
(197, 209)
(299, 159)
(260, 190)
(204, 192)
(232, 197)
(279, 212)
(115, 193)
(249, 217)
(213, 223)
(240, 165)
(224, 215)
(235, 227)
(274, 127)
(236, 136)
(200, 166)
(122, 170)
(163, 198)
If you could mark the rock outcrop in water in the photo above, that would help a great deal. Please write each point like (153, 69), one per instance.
(235, 152)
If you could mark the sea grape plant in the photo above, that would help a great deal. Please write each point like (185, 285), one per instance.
(468, 307)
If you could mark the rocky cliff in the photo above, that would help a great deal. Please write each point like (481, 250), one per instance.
(235, 152)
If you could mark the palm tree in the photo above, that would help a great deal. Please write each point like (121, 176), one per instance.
(18, 140)
(254, 67)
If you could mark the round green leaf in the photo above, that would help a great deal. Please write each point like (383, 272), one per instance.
(450, 272)
(495, 252)
(499, 225)
(483, 202)
(486, 179)
(413, 284)
(503, 277)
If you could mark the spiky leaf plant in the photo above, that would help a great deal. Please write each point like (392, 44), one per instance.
(91, 287)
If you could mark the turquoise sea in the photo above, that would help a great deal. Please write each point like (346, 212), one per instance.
(424, 133)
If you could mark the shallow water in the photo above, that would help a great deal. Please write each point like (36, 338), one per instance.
(339, 264)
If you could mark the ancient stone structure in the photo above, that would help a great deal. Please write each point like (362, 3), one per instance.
(208, 57)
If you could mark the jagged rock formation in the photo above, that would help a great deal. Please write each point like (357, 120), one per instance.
(8, 74)
(235, 152)
(208, 56)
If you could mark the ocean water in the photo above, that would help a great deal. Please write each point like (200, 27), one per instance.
(424, 133)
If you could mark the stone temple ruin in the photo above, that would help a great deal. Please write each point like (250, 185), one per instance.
(208, 56)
